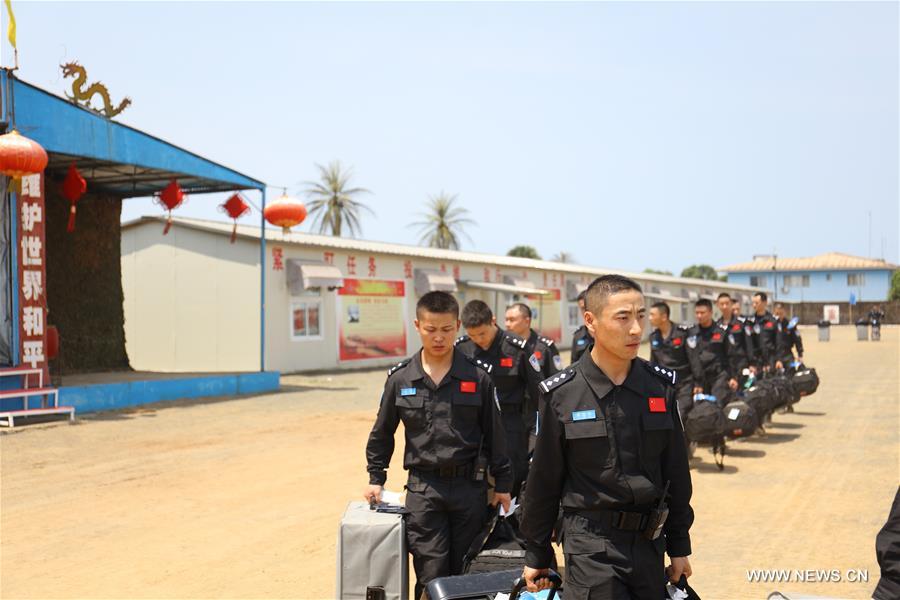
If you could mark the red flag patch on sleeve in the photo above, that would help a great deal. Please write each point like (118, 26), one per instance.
(468, 387)
(657, 404)
(506, 362)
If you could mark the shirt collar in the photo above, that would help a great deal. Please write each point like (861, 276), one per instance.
(601, 385)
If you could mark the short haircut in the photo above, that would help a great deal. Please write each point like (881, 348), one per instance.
(522, 308)
(476, 313)
(779, 305)
(723, 295)
(581, 296)
(762, 296)
(439, 303)
(703, 302)
(663, 308)
(603, 287)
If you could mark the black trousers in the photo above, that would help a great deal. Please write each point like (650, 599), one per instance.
(517, 437)
(444, 517)
(610, 564)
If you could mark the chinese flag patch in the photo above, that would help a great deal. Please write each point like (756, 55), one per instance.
(506, 362)
(716, 337)
(537, 354)
(468, 387)
(676, 342)
(769, 324)
(657, 404)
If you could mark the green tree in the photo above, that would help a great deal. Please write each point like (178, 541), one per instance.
(333, 204)
(895, 287)
(443, 222)
(702, 272)
(524, 252)
(563, 257)
(657, 272)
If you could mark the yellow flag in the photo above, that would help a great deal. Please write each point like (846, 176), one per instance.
(11, 30)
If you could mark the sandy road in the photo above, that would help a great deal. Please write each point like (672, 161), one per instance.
(241, 498)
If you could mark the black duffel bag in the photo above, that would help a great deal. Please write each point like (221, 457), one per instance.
(757, 397)
(741, 419)
(805, 381)
(705, 425)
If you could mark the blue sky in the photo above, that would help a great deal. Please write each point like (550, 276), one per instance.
(631, 135)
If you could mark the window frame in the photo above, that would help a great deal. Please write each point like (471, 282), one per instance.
(305, 302)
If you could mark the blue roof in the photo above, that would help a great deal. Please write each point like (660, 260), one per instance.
(114, 158)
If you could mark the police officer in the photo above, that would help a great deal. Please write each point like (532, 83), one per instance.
(668, 348)
(539, 348)
(707, 344)
(764, 333)
(452, 426)
(515, 378)
(787, 337)
(581, 339)
(610, 444)
(739, 333)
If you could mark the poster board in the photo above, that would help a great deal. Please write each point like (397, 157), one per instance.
(371, 319)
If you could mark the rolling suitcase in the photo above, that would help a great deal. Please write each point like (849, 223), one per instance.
(371, 553)
(484, 586)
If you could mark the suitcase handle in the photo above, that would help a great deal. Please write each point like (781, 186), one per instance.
(555, 581)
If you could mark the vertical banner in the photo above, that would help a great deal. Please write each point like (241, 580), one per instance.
(32, 274)
(548, 320)
(372, 319)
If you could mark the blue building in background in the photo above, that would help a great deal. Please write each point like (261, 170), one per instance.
(831, 277)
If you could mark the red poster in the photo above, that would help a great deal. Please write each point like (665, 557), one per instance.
(372, 319)
(32, 272)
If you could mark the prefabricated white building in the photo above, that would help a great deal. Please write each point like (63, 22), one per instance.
(192, 298)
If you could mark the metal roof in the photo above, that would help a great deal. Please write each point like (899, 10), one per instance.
(830, 261)
(338, 243)
(114, 158)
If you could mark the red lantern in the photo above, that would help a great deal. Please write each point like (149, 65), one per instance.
(171, 197)
(73, 188)
(20, 156)
(285, 212)
(235, 207)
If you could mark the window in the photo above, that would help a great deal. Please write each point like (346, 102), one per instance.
(306, 319)
(796, 281)
(575, 318)
(856, 279)
(758, 280)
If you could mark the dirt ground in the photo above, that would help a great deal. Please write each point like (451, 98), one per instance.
(241, 497)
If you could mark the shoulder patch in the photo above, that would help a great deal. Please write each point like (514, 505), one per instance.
(398, 366)
(664, 373)
(461, 339)
(558, 379)
(515, 340)
(793, 322)
(485, 366)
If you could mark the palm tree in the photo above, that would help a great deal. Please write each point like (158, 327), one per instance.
(563, 257)
(332, 202)
(443, 223)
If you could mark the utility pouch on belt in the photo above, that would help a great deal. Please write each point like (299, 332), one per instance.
(657, 517)
(479, 470)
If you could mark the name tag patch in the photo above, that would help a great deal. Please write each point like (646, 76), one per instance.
(584, 415)
(657, 405)
(407, 391)
(468, 387)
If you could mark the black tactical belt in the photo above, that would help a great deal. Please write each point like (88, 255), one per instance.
(617, 519)
(444, 472)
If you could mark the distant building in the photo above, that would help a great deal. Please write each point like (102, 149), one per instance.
(830, 277)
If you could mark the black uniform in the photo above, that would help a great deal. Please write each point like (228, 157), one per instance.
(581, 341)
(708, 357)
(740, 344)
(545, 352)
(445, 426)
(606, 452)
(887, 551)
(786, 339)
(516, 380)
(671, 352)
(764, 333)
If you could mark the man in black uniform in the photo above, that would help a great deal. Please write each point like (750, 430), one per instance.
(453, 429)
(740, 346)
(539, 348)
(707, 344)
(610, 445)
(581, 339)
(668, 349)
(515, 378)
(786, 338)
(764, 332)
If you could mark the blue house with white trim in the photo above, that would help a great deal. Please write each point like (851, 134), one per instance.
(831, 277)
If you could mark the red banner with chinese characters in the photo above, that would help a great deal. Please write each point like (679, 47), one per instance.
(32, 271)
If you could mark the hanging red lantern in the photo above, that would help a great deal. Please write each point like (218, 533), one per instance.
(235, 207)
(20, 156)
(285, 212)
(171, 198)
(73, 188)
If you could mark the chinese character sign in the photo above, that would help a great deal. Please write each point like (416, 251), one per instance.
(32, 271)
(277, 259)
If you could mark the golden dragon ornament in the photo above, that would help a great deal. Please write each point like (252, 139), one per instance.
(82, 96)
